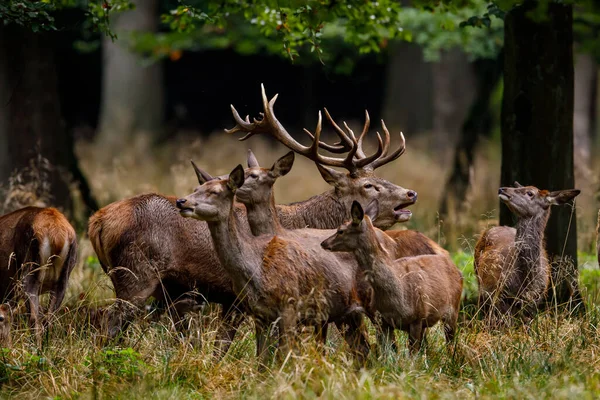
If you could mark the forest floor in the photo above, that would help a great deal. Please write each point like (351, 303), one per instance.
(555, 356)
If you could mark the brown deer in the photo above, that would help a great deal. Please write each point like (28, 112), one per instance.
(147, 251)
(38, 250)
(410, 293)
(258, 197)
(5, 326)
(283, 279)
(511, 264)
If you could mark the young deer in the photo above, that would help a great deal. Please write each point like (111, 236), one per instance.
(148, 251)
(511, 264)
(38, 248)
(284, 278)
(410, 293)
(5, 326)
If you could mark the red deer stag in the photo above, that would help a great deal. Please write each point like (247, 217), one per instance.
(38, 250)
(511, 264)
(148, 252)
(281, 279)
(410, 293)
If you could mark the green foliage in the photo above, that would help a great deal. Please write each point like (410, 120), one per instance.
(443, 27)
(122, 363)
(33, 14)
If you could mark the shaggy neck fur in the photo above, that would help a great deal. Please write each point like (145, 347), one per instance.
(238, 253)
(530, 264)
(263, 218)
(323, 211)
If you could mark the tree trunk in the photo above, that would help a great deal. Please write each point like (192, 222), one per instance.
(479, 122)
(408, 93)
(585, 84)
(31, 129)
(132, 94)
(453, 91)
(537, 127)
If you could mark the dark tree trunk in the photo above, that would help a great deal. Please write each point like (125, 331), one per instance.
(30, 116)
(478, 123)
(132, 109)
(453, 92)
(537, 127)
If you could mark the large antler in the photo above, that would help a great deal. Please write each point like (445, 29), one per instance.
(354, 160)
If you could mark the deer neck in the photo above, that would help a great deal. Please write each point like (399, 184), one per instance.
(323, 211)
(529, 243)
(373, 257)
(238, 252)
(263, 218)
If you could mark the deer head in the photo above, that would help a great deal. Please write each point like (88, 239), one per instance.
(529, 201)
(258, 182)
(212, 200)
(359, 182)
(349, 236)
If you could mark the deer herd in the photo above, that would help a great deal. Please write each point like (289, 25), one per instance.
(329, 259)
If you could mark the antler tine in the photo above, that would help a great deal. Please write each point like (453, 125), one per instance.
(333, 148)
(344, 139)
(372, 158)
(394, 155)
(241, 125)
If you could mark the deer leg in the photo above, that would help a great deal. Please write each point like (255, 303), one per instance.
(287, 332)
(231, 319)
(32, 284)
(263, 343)
(415, 337)
(450, 327)
(356, 336)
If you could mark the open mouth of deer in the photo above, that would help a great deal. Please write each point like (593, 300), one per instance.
(401, 212)
(504, 197)
(186, 211)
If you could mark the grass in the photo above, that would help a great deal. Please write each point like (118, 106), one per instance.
(555, 357)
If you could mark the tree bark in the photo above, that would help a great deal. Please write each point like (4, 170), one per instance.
(585, 84)
(31, 129)
(537, 127)
(453, 92)
(132, 94)
(478, 123)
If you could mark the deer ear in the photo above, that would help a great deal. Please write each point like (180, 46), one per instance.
(5, 308)
(562, 196)
(517, 185)
(282, 166)
(357, 213)
(252, 161)
(236, 178)
(372, 209)
(202, 175)
(330, 175)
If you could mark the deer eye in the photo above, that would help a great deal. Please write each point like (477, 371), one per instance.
(530, 193)
(368, 186)
(254, 175)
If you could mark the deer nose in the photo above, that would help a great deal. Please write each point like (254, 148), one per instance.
(501, 190)
(180, 202)
(325, 245)
(1, 318)
(412, 195)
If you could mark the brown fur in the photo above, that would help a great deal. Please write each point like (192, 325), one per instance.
(598, 238)
(5, 322)
(38, 249)
(282, 279)
(257, 195)
(511, 264)
(411, 293)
